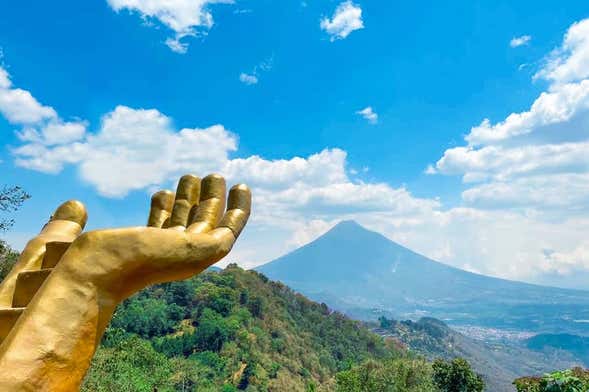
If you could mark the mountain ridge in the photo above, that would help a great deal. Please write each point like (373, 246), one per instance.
(365, 274)
(355, 225)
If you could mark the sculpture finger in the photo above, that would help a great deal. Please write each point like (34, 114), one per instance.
(238, 209)
(68, 219)
(211, 206)
(161, 208)
(187, 196)
(232, 223)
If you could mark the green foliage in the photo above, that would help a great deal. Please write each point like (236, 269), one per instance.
(229, 331)
(456, 376)
(236, 330)
(396, 375)
(132, 366)
(7, 259)
(575, 380)
(147, 317)
(11, 198)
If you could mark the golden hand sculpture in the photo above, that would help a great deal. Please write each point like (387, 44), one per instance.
(50, 346)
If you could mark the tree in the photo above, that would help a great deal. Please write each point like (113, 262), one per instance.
(456, 376)
(147, 317)
(7, 259)
(395, 375)
(11, 198)
(133, 365)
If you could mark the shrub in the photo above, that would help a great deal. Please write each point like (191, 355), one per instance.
(396, 375)
(456, 376)
(575, 380)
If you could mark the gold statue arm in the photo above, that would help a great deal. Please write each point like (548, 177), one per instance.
(52, 343)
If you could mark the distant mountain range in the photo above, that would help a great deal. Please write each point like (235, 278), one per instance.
(366, 275)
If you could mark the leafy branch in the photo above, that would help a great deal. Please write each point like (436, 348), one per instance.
(11, 199)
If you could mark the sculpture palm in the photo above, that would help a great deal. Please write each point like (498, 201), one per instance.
(52, 343)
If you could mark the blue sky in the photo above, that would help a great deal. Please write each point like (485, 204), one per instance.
(329, 109)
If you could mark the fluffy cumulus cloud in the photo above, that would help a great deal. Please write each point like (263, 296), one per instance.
(536, 162)
(135, 149)
(570, 62)
(520, 41)
(19, 106)
(346, 19)
(132, 149)
(523, 213)
(184, 17)
(37, 122)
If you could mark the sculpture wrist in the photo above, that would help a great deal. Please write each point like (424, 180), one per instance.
(65, 324)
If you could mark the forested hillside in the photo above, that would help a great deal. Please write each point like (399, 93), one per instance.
(229, 330)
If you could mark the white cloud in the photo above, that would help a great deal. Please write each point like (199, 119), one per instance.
(569, 262)
(520, 41)
(430, 169)
(522, 216)
(561, 193)
(39, 123)
(185, 17)
(20, 107)
(369, 115)
(503, 163)
(176, 45)
(495, 242)
(549, 113)
(58, 132)
(133, 149)
(248, 79)
(533, 166)
(570, 62)
(4, 78)
(309, 231)
(346, 18)
(551, 137)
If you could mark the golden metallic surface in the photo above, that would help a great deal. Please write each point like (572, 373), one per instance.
(238, 209)
(65, 225)
(53, 252)
(50, 345)
(8, 318)
(73, 211)
(27, 285)
(187, 196)
(161, 207)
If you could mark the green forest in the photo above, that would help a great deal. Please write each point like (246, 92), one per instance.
(236, 330)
